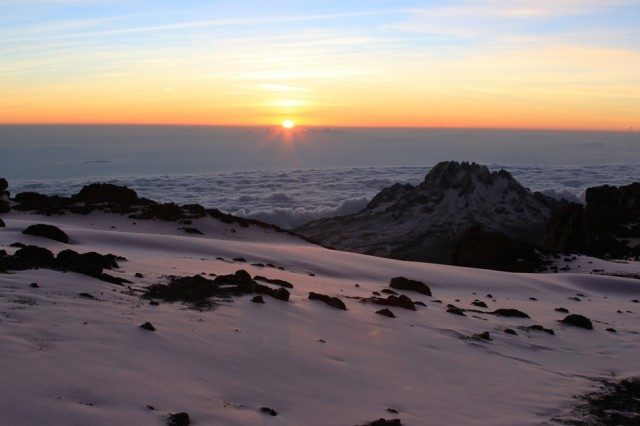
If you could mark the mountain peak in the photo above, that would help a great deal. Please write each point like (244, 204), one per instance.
(423, 222)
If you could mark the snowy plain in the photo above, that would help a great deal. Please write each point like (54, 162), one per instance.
(68, 360)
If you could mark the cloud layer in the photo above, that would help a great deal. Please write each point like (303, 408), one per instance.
(289, 198)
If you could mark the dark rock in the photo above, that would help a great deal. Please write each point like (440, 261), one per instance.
(538, 327)
(257, 299)
(35, 256)
(179, 419)
(3, 184)
(34, 285)
(576, 320)
(269, 411)
(562, 310)
(493, 250)
(401, 283)
(401, 301)
(392, 410)
(600, 227)
(154, 303)
(510, 331)
(86, 296)
(17, 245)
(2, 225)
(47, 231)
(479, 304)
(275, 281)
(611, 330)
(331, 301)
(419, 303)
(510, 313)
(386, 312)
(239, 259)
(139, 275)
(148, 326)
(482, 336)
(192, 231)
(452, 309)
(384, 422)
(533, 298)
(98, 193)
(281, 294)
(388, 291)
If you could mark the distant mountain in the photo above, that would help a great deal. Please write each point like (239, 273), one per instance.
(423, 222)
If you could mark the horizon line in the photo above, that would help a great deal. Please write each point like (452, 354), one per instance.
(630, 129)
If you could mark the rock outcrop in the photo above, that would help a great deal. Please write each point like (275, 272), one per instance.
(604, 227)
(423, 222)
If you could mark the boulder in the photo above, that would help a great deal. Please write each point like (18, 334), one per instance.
(576, 320)
(98, 193)
(515, 313)
(402, 283)
(385, 312)
(47, 231)
(35, 256)
(334, 302)
(3, 184)
(179, 419)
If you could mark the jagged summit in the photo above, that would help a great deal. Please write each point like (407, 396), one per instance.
(423, 222)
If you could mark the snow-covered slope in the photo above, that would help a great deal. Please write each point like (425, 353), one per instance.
(423, 222)
(71, 360)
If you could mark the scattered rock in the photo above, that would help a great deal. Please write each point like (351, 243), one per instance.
(34, 285)
(510, 331)
(384, 422)
(562, 310)
(35, 256)
(86, 296)
(239, 259)
(179, 419)
(452, 309)
(47, 231)
(386, 312)
(17, 245)
(192, 231)
(401, 283)
(482, 336)
(533, 298)
(269, 411)
(275, 281)
(515, 313)
(331, 301)
(2, 225)
(257, 299)
(611, 330)
(479, 304)
(139, 275)
(154, 303)
(388, 291)
(148, 326)
(576, 320)
(538, 327)
(392, 410)
(401, 301)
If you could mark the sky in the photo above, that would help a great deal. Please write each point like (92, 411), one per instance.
(557, 64)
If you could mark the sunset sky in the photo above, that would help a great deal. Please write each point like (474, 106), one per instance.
(484, 63)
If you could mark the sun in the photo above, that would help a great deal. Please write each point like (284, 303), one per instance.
(288, 124)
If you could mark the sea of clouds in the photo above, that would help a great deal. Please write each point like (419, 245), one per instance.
(289, 198)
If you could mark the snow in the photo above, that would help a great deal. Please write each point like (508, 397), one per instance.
(221, 366)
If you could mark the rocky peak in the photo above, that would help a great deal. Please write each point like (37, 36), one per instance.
(466, 177)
